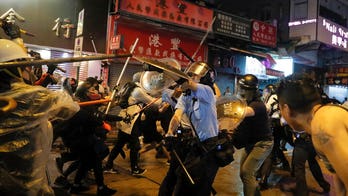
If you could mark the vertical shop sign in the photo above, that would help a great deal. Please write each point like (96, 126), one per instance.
(264, 34)
(172, 11)
(78, 48)
(80, 20)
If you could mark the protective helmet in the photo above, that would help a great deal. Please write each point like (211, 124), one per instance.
(247, 87)
(248, 82)
(270, 88)
(10, 51)
(198, 68)
(136, 77)
(172, 62)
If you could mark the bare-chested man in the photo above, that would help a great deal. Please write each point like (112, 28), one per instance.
(301, 106)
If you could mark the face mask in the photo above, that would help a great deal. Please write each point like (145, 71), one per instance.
(248, 95)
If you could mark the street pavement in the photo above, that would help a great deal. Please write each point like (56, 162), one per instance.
(227, 181)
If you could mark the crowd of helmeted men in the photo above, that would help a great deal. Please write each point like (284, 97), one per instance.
(38, 116)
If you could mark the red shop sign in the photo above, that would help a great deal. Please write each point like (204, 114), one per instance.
(273, 72)
(264, 34)
(172, 11)
(160, 44)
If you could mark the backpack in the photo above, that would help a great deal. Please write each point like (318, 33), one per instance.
(124, 94)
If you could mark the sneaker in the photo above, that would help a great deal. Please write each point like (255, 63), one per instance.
(104, 190)
(138, 171)
(111, 171)
(61, 181)
(77, 188)
(59, 164)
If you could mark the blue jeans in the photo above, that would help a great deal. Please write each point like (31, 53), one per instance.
(251, 160)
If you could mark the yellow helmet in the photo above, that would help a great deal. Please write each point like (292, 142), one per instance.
(10, 51)
(198, 68)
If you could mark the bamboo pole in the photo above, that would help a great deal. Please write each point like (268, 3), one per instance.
(61, 60)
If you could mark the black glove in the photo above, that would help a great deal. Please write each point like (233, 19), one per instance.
(36, 55)
(51, 68)
(169, 142)
(181, 81)
(12, 30)
(128, 119)
(110, 117)
(148, 67)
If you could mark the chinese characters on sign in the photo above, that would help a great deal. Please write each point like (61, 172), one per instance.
(79, 30)
(65, 25)
(332, 33)
(172, 11)
(264, 34)
(232, 26)
(11, 15)
(160, 44)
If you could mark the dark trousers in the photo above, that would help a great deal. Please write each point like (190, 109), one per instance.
(304, 151)
(181, 148)
(278, 135)
(134, 145)
(89, 159)
(202, 167)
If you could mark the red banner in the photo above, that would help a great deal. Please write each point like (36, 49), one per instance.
(273, 72)
(172, 11)
(264, 34)
(160, 44)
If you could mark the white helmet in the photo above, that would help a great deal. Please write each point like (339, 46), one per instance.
(172, 62)
(10, 51)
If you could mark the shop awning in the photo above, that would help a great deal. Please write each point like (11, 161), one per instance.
(302, 60)
(257, 54)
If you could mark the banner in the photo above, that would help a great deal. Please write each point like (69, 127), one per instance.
(160, 44)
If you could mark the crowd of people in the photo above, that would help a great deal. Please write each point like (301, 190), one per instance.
(188, 114)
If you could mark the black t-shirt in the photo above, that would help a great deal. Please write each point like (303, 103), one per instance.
(256, 128)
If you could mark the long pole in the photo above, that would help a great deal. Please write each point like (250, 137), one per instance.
(183, 167)
(204, 38)
(61, 60)
(121, 74)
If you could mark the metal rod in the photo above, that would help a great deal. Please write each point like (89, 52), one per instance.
(61, 60)
(204, 38)
(147, 106)
(121, 74)
(126, 63)
(183, 167)
(186, 55)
